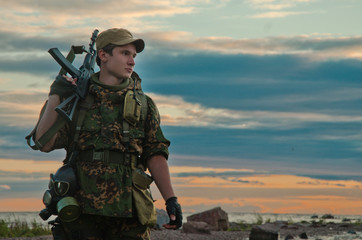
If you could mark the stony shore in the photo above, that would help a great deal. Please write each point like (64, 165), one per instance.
(321, 231)
(334, 231)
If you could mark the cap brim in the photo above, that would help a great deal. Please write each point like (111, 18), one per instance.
(139, 43)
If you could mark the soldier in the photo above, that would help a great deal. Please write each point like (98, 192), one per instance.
(119, 137)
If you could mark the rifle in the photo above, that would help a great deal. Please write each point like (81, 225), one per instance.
(67, 107)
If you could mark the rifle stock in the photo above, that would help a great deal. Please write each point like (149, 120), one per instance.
(67, 108)
(64, 62)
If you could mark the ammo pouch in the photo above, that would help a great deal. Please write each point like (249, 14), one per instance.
(132, 108)
(142, 199)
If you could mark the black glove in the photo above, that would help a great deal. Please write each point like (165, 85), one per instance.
(61, 87)
(174, 208)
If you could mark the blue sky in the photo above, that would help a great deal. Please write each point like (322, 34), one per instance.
(272, 86)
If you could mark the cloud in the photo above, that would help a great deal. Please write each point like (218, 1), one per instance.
(45, 18)
(276, 8)
(277, 14)
(276, 4)
(20, 108)
(314, 46)
(5, 187)
(28, 166)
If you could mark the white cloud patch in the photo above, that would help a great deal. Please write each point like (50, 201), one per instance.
(177, 112)
(277, 14)
(314, 46)
(276, 4)
(276, 8)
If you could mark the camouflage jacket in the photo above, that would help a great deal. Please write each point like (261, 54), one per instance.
(106, 188)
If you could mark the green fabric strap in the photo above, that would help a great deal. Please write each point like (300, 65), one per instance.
(46, 136)
(126, 140)
(84, 107)
(70, 57)
(144, 106)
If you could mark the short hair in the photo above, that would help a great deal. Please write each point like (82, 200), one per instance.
(108, 49)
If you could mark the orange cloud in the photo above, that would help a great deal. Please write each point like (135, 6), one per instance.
(21, 204)
(250, 193)
(28, 166)
(263, 193)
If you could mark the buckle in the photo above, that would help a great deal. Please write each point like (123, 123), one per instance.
(98, 155)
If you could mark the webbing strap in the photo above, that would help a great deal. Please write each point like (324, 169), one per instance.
(144, 106)
(84, 107)
(70, 57)
(126, 140)
(107, 156)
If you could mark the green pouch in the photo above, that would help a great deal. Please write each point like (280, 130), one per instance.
(142, 199)
(132, 108)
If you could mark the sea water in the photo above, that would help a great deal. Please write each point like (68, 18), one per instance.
(30, 217)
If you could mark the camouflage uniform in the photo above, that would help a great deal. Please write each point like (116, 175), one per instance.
(106, 187)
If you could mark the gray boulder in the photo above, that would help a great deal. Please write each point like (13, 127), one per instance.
(216, 218)
(264, 232)
(196, 227)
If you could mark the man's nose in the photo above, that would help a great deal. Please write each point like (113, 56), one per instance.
(131, 61)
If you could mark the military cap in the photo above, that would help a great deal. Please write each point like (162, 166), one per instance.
(118, 36)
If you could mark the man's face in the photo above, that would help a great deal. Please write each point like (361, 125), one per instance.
(121, 63)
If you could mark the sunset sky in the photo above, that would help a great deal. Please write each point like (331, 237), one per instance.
(261, 99)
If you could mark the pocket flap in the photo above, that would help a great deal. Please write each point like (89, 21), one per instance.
(141, 179)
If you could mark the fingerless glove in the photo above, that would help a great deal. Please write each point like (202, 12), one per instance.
(174, 208)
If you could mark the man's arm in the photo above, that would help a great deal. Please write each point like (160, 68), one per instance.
(158, 168)
(62, 87)
(48, 119)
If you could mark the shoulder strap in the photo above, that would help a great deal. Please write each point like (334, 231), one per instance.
(84, 107)
(144, 105)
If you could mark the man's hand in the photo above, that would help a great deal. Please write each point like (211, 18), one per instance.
(63, 86)
(174, 212)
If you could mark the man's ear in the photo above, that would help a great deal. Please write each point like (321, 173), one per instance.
(103, 56)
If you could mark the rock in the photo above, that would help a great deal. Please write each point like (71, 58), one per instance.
(233, 226)
(303, 235)
(264, 232)
(327, 216)
(288, 237)
(281, 224)
(216, 218)
(314, 216)
(345, 225)
(196, 227)
(162, 218)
